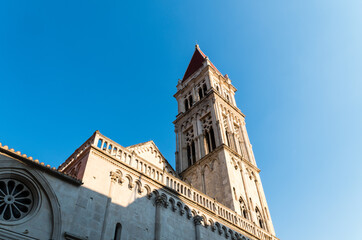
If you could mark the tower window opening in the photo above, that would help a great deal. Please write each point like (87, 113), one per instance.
(243, 210)
(117, 232)
(201, 95)
(186, 103)
(212, 136)
(193, 152)
(260, 219)
(207, 139)
(190, 101)
(204, 88)
(190, 147)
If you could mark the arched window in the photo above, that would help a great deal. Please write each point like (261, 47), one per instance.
(259, 218)
(188, 155)
(212, 136)
(207, 140)
(204, 88)
(186, 103)
(190, 101)
(117, 232)
(201, 95)
(193, 152)
(244, 211)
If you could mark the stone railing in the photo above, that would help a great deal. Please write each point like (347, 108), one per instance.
(166, 179)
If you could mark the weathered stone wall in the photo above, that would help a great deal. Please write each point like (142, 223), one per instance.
(148, 202)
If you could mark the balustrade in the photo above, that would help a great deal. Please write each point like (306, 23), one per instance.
(117, 151)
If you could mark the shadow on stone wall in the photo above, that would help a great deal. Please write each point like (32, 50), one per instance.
(143, 213)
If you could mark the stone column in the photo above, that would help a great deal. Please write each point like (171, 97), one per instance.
(200, 138)
(114, 178)
(197, 222)
(159, 202)
(195, 126)
(216, 123)
(246, 142)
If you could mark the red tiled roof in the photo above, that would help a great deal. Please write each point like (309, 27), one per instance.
(196, 62)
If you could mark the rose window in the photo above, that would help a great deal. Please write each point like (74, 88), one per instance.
(16, 200)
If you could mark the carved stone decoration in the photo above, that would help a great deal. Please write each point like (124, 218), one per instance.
(197, 220)
(232, 234)
(116, 177)
(181, 210)
(161, 201)
(173, 205)
(188, 212)
(220, 231)
(16, 200)
(149, 193)
(227, 235)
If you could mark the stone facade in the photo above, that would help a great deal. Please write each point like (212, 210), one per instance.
(107, 191)
(214, 153)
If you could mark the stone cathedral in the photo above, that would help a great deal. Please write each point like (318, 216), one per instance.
(105, 191)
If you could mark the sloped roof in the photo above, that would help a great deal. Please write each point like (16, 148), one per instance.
(151, 143)
(29, 160)
(196, 62)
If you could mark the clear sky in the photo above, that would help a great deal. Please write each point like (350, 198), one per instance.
(70, 67)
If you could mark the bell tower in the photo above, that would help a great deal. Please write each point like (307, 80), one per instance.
(213, 151)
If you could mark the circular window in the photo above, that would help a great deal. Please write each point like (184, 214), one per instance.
(16, 200)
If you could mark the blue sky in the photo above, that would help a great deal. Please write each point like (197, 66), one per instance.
(68, 68)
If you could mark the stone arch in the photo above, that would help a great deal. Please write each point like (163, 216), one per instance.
(48, 191)
(181, 208)
(155, 193)
(164, 196)
(188, 212)
(219, 228)
(225, 231)
(259, 218)
(193, 212)
(130, 181)
(212, 224)
(232, 234)
(204, 220)
(139, 186)
(148, 191)
(173, 204)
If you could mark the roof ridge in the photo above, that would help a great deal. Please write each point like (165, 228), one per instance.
(196, 62)
(5, 149)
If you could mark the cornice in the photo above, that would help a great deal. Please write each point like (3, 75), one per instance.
(209, 156)
(40, 165)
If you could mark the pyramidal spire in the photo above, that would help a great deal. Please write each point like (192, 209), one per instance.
(196, 62)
